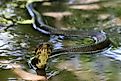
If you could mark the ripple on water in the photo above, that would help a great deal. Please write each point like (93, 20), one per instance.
(114, 54)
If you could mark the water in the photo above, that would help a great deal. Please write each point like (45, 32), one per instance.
(18, 42)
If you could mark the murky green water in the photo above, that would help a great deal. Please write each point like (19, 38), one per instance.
(18, 41)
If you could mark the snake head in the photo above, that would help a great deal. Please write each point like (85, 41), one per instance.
(42, 54)
(44, 47)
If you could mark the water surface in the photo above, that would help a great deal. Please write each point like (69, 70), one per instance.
(18, 41)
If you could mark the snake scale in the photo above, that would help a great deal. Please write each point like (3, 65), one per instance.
(102, 41)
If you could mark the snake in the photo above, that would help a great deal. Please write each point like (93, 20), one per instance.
(101, 39)
(39, 61)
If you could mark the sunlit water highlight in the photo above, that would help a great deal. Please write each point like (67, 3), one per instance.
(114, 54)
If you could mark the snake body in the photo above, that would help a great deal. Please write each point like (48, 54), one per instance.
(102, 41)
